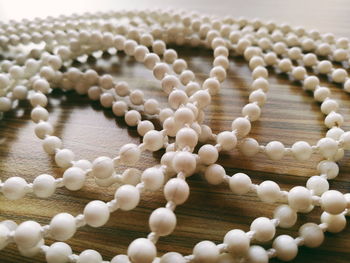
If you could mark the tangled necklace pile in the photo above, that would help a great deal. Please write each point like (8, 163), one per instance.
(143, 35)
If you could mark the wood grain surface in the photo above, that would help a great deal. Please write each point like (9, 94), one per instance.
(91, 131)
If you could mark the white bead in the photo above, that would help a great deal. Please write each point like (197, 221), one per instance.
(172, 257)
(170, 56)
(5, 104)
(176, 190)
(275, 150)
(20, 92)
(38, 99)
(179, 65)
(158, 47)
(89, 256)
(269, 191)
(4, 234)
(312, 234)
(160, 70)
(140, 53)
(74, 178)
(257, 96)
(215, 174)
(44, 185)
(328, 147)
(41, 85)
(120, 259)
(237, 242)
(202, 98)
(311, 82)
(208, 154)
(14, 188)
(205, 252)
(339, 75)
(186, 137)
(219, 73)
(119, 108)
(102, 167)
(299, 73)
(252, 111)
(286, 247)
(58, 252)
(286, 215)
(96, 213)
(240, 183)
(333, 202)
(184, 115)
(162, 221)
(249, 147)
(301, 150)
(131, 176)
(328, 106)
(299, 198)
(212, 85)
(321, 94)
(136, 97)
(129, 154)
(333, 119)
(176, 98)
(153, 178)
(39, 114)
(169, 83)
(106, 100)
(227, 140)
(257, 254)
(317, 184)
(144, 126)
(28, 234)
(345, 138)
(346, 86)
(151, 60)
(51, 144)
(328, 168)
(335, 133)
(259, 72)
(127, 196)
(62, 226)
(242, 126)
(184, 162)
(64, 158)
(335, 223)
(264, 229)
(42, 129)
(142, 250)
(122, 88)
(151, 106)
(153, 140)
(132, 118)
(260, 83)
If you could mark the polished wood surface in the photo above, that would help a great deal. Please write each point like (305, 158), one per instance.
(90, 131)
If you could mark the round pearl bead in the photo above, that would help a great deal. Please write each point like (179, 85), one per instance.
(44, 185)
(153, 178)
(51, 144)
(58, 252)
(227, 140)
(153, 140)
(89, 256)
(242, 126)
(335, 223)
(128, 197)
(142, 250)
(317, 184)
(62, 226)
(96, 213)
(312, 234)
(208, 154)
(74, 178)
(176, 190)
(14, 188)
(102, 167)
(129, 154)
(28, 234)
(299, 198)
(264, 229)
(237, 242)
(275, 150)
(120, 259)
(144, 126)
(328, 168)
(215, 174)
(333, 202)
(287, 216)
(269, 191)
(257, 254)
(64, 158)
(186, 137)
(172, 257)
(4, 233)
(205, 252)
(39, 114)
(184, 162)
(162, 221)
(240, 183)
(286, 248)
(301, 150)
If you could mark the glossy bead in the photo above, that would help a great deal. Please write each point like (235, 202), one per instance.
(257, 254)
(172, 257)
(275, 150)
(142, 250)
(153, 140)
(176, 190)
(62, 226)
(74, 178)
(301, 150)
(312, 234)
(205, 252)
(328, 147)
(335, 223)
(286, 247)
(237, 242)
(129, 154)
(184, 162)
(58, 252)
(162, 221)
(153, 178)
(264, 229)
(333, 202)
(14, 188)
(96, 213)
(127, 196)
(64, 158)
(240, 183)
(27, 234)
(44, 185)
(317, 184)
(328, 168)
(215, 174)
(102, 167)
(269, 191)
(299, 198)
(89, 256)
(227, 140)
(287, 216)
(208, 154)
(186, 137)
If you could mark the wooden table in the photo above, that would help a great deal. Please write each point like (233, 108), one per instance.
(90, 131)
